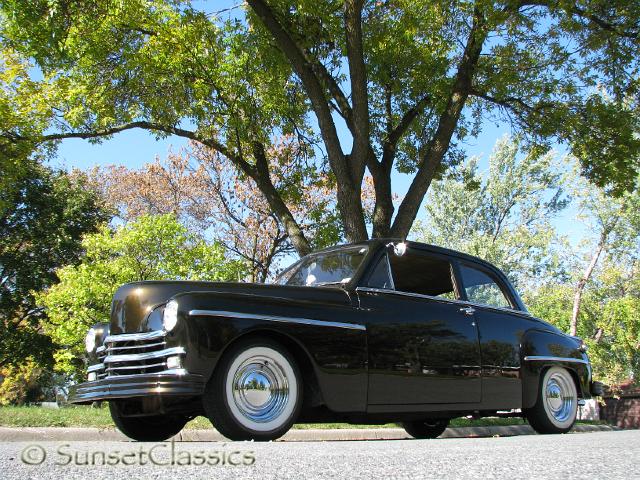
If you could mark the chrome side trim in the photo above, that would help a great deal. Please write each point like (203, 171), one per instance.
(129, 337)
(134, 357)
(544, 358)
(275, 318)
(440, 299)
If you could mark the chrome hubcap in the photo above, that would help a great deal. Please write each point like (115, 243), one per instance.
(559, 397)
(260, 389)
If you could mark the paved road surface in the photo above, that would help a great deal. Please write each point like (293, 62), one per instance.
(598, 455)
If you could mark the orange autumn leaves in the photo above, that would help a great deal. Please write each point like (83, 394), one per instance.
(208, 195)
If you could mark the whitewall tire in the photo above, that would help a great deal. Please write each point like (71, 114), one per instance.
(255, 392)
(556, 408)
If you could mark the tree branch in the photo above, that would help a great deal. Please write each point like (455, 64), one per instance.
(396, 133)
(342, 105)
(260, 173)
(439, 144)
(145, 125)
(582, 13)
(263, 180)
(348, 184)
(359, 91)
(305, 71)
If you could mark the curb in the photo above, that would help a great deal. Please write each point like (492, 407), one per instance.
(42, 434)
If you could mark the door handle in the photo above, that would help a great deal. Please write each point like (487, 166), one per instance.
(468, 310)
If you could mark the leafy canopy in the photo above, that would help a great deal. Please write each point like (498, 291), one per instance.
(45, 215)
(409, 81)
(503, 215)
(609, 318)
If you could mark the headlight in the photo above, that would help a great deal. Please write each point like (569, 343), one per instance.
(90, 340)
(170, 318)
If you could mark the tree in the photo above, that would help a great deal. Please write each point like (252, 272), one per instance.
(46, 214)
(203, 190)
(609, 317)
(21, 383)
(616, 225)
(410, 81)
(150, 248)
(503, 215)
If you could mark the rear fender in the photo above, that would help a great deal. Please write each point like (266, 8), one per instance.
(542, 349)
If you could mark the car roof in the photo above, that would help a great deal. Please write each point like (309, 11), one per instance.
(412, 244)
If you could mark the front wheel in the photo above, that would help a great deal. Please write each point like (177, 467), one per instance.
(155, 428)
(426, 429)
(557, 405)
(255, 392)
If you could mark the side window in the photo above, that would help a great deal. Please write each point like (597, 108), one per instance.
(417, 272)
(482, 288)
(381, 276)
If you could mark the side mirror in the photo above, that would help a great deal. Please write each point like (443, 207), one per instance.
(400, 249)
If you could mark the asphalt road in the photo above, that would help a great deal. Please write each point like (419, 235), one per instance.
(598, 455)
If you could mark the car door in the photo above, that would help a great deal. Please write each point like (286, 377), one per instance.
(422, 342)
(501, 322)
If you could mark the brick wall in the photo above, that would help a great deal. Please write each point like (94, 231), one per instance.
(624, 411)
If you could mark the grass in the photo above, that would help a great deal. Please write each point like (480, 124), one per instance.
(86, 416)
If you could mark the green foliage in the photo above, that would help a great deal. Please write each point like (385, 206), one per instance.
(150, 248)
(609, 320)
(428, 74)
(44, 217)
(21, 383)
(503, 215)
(114, 62)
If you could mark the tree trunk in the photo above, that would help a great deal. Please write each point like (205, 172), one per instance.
(261, 176)
(439, 144)
(383, 210)
(349, 172)
(577, 298)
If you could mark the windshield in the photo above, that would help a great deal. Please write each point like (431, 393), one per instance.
(332, 268)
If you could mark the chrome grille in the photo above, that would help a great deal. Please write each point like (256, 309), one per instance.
(133, 353)
(101, 353)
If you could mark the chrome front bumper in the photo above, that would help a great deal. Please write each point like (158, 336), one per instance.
(128, 386)
(136, 365)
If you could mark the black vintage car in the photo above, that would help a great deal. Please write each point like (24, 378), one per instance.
(382, 331)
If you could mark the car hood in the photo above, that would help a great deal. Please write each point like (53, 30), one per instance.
(136, 304)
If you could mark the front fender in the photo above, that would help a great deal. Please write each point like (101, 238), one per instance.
(208, 322)
(542, 349)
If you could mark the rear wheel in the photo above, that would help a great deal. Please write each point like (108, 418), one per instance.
(426, 429)
(154, 428)
(557, 405)
(255, 392)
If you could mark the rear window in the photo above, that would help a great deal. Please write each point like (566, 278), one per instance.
(483, 288)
